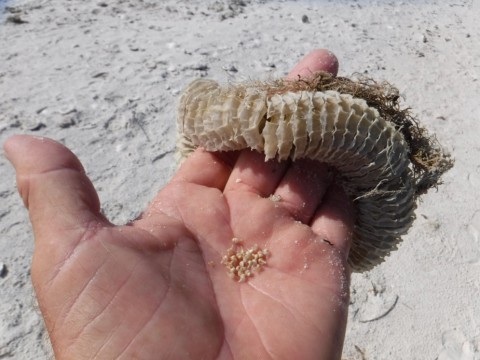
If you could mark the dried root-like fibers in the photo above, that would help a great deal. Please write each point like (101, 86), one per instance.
(384, 159)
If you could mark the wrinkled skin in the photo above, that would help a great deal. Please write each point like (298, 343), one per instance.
(155, 288)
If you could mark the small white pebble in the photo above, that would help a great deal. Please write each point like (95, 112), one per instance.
(120, 148)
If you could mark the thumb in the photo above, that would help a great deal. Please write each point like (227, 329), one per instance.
(61, 200)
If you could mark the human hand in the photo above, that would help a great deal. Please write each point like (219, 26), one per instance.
(155, 288)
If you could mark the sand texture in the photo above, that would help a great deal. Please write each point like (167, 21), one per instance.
(104, 78)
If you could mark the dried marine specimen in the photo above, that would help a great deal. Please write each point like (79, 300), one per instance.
(379, 153)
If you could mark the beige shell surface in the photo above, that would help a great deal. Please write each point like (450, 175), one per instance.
(370, 155)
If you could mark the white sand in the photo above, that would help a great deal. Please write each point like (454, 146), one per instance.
(104, 80)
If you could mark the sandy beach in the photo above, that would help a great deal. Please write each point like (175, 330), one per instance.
(104, 79)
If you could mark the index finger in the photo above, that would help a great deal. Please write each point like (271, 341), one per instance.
(320, 59)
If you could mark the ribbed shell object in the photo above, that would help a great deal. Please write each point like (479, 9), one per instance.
(368, 153)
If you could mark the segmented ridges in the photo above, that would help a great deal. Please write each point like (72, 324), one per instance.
(344, 132)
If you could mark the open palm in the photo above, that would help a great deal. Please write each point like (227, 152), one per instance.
(156, 288)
